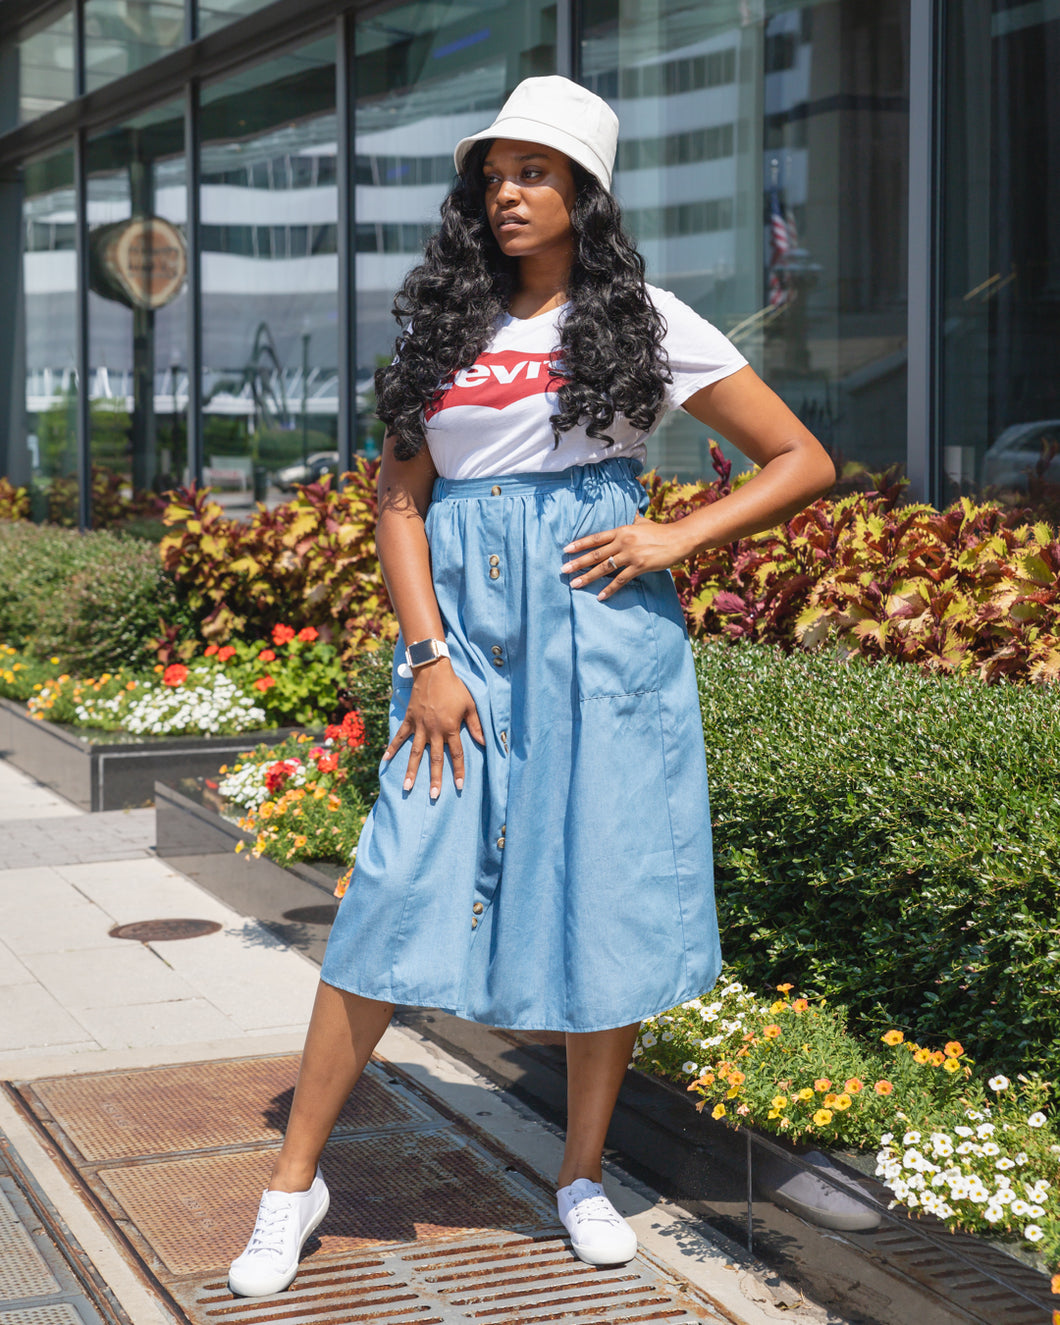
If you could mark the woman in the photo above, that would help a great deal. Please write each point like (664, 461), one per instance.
(563, 881)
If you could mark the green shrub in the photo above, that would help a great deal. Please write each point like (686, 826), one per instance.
(94, 600)
(890, 840)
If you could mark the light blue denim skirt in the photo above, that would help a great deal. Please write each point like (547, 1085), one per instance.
(569, 886)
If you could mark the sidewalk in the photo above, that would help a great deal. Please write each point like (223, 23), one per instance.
(94, 1030)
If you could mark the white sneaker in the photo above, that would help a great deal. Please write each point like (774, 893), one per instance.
(598, 1233)
(285, 1220)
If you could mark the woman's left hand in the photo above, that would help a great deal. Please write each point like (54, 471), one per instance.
(620, 554)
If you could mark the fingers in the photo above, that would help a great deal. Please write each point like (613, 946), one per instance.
(400, 737)
(419, 744)
(474, 726)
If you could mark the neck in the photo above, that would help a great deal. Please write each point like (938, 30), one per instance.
(541, 283)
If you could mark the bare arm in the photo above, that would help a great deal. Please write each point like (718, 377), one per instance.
(795, 469)
(440, 702)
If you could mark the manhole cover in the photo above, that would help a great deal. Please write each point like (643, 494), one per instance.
(154, 931)
(313, 915)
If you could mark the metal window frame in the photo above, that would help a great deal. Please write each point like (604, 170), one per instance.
(926, 72)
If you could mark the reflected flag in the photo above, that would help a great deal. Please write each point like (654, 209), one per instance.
(781, 242)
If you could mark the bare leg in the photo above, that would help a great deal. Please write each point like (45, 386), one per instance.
(343, 1031)
(596, 1064)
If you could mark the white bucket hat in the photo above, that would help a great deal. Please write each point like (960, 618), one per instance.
(557, 113)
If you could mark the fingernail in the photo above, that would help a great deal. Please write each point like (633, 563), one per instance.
(563, 570)
(576, 584)
(460, 784)
(434, 793)
(569, 547)
(386, 754)
(408, 784)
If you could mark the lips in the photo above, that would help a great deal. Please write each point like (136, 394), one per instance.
(510, 222)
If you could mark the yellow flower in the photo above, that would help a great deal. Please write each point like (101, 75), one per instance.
(778, 1006)
(239, 847)
(805, 1094)
(773, 1113)
(732, 1092)
(54, 661)
(265, 809)
(822, 1116)
(922, 1056)
(843, 1101)
(892, 1037)
(779, 1101)
(718, 1111)
(951, 1065)
(830, 1099)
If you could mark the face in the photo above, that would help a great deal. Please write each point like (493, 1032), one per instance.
(530, 191)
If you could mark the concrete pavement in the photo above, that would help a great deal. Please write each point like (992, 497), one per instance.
(75, 1000)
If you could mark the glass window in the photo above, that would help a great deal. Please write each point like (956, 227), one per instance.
(762, 167)
(214, 14)
(124, 35)
(44, 448)
(270, 272)
(138, 312)
(427, 74)
(37, 73)
(1000, 325)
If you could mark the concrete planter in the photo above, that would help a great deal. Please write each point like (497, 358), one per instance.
(109, 771)
(904, 1269)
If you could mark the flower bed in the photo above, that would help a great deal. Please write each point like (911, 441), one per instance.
(980, 1155)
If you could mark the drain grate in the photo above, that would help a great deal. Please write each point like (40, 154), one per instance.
(59, 1314)
(495, 1282)
(430, 1222)
(158, 931)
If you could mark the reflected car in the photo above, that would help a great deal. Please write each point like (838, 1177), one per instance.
(1013, 456)
(317, 464)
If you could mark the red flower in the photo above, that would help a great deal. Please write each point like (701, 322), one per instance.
(275, 776)
(282, 634)
(225, 652)
(350, 733)
(175, 674)
(210, 650)
(328, 763)
(264, 683)
(308, 634)
(266, 655)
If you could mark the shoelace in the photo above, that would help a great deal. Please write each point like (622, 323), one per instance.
(597, 1208)
(268, 1235)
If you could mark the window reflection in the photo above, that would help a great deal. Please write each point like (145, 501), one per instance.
(1001, 254)
(214, 14)
(124, 35)
(37, 73)
(426, 76)
(762, 169)
(270, 274)
(138, 364)
(49, 349)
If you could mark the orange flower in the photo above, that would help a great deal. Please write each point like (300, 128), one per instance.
(892, 1038)
(822, 1084)
(830, 1099)
(1054, 1283)
(922, 1056)
(800, 1005)
(771, 1032)
(267, 655)
(853, 1085)
(282, 634)
(308, 634)
(938, 1058)
(175, 674)
(328, 763)
(264, 683)
(883, 1088)
(954, 1049)
(225, 652)
(737, 1078)
(785, 989)
(210, 650)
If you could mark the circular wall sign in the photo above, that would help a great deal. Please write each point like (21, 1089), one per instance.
(146, 258)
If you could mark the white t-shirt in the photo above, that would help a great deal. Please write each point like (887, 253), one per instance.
(494, 417)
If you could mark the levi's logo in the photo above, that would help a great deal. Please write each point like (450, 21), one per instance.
(498, 379)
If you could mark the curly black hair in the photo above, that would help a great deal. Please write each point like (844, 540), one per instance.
(611, 335)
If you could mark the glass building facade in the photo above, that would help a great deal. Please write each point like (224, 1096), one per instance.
(208, 206)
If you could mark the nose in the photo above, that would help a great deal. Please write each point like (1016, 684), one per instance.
(507, 192)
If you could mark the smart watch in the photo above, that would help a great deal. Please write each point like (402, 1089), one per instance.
(422, 652)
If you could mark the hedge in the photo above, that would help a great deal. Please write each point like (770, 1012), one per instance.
(890, 840)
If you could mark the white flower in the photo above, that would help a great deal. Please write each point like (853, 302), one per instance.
(999, 1083)
(689, 1067)
(967, 1148)
(647, 1040)
(1033, 1233)
(984, 1129)
(1036, 1120)
(964, 1131)
(941, 1145)
(993, 1212)
(1036, 1211)
(1021, 1158)
(668, 1035)
(1020, 1207)
(1004, 1162)
(991, 1148)
(911, 1139)
(886, 1139)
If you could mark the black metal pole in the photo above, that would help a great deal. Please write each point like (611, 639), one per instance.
(346, 175)
(84, 413)
(192, 237)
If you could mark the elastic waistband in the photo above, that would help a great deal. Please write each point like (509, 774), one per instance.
(622, 469)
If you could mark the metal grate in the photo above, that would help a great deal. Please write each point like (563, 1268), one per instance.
(493, 1281)
(62, 1314)
(200, 1106)
(23, 1270)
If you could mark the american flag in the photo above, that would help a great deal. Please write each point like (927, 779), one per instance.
(781, 241)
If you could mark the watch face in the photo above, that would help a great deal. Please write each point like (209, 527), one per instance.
(423, 651)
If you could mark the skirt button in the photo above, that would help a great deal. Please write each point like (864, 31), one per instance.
(494, 573)
(477, 908)
(495, 560)
(500, 842)
(474, 922)
(495, 490)
(496, 650)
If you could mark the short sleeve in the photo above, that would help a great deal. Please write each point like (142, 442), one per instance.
(699, 353)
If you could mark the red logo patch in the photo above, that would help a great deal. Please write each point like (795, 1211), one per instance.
(497, 380)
